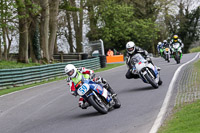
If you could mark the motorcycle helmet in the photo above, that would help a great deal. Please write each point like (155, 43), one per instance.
(130, 47)
(165, 41)
(175, 38)
(70, 70)
(159, 43)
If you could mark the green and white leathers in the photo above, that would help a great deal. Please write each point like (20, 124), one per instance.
(78, 77)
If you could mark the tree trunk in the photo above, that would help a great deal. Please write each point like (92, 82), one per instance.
(56, 47)
(23, 30)
(3, 23)
(69, 35)
(44, 29)
(9, 41)
(4, 44)
(32, 31)
(78, 25)
(54, 4)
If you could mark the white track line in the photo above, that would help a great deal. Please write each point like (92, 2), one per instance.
(163, 110)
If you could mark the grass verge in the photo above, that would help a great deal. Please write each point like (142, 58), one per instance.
(196, 49)
(185, 118)
(14, 64)
(13, 89)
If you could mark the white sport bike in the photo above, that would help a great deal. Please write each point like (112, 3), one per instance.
(147, 72)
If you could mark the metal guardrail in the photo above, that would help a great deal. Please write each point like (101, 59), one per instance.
(20, 76)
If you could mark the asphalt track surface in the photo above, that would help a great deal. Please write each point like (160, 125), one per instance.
(50, 108)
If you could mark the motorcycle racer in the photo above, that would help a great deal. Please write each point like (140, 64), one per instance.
(176, 40)
(159, 48)
(75, 75)
(132, 49)
(165, 44)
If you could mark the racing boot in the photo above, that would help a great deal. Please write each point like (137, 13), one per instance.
(82, 103)
(107, 86)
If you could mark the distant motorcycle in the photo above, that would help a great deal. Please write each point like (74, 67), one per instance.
(97, 96)
(167, 54)
(177, 52)
(147, 72)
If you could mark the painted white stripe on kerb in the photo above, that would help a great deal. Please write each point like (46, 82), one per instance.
(163, 110)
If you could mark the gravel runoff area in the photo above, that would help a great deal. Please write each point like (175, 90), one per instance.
(188, 86)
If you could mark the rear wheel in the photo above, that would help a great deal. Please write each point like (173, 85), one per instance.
(98, 104)
(151, 81)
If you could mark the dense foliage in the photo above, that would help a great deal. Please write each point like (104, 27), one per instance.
(40, 26)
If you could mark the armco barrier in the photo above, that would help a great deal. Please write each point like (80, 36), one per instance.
(20, 76)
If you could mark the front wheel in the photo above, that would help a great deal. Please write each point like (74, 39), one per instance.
(98, 104)
(177, 58)
(117, 102)
(151, 81)
(160, 81)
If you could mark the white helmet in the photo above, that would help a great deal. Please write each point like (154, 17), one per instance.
(159, 43)
(130, 47)
(71, 70)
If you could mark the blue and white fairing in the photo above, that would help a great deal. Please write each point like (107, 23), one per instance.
(88, 84)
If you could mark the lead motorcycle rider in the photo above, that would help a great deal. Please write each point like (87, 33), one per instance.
(132, 49)
(74, 77)
(176, 40)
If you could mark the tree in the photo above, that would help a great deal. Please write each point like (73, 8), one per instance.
(44, 29)
(66, 22)
(189, 22)
(118, 25)
(23, 32)
(93, 33)
(78, 24)
(53, 4)
(7, 25)
(185, 23)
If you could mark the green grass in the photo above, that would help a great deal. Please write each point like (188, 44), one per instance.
(109, 66)
(13, 89)
(185, 118)
(14, 64)
(196, 49)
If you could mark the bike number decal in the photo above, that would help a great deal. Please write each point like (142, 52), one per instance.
(83, 89)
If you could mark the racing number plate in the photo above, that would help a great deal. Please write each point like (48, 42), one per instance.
(83, 89)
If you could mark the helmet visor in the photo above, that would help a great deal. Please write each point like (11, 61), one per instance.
(130, 49)
(70, 73)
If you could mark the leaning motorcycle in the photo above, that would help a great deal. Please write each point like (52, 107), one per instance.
(177, 52)
(167, 54)
(146, 71)
(97, 96)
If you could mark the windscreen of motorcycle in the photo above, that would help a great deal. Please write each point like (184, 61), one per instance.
(176, 45)
(137, 58)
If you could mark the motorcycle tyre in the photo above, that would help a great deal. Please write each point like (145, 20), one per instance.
(177, 59)
(147, 77)
(168, 58)
(117, 102)
(100, 107)
(160, 81)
